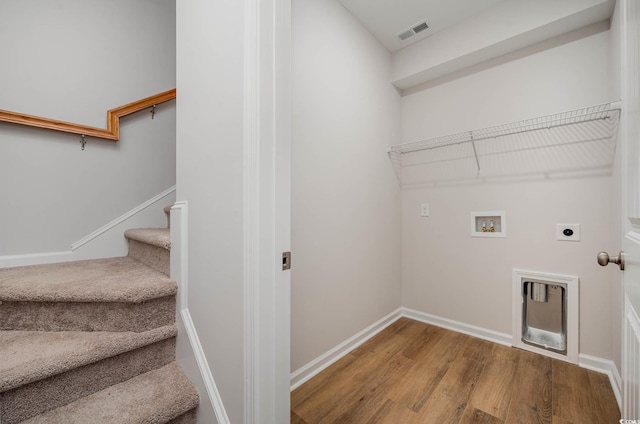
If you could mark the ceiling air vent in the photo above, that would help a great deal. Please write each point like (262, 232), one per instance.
(413, 30)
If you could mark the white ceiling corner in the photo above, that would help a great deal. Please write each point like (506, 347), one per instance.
(385, 18)
(500, 26)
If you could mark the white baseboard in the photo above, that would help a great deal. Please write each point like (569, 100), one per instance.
(189, 352)
(9, 261)
(122, 218)
(314, 367)
(604, 366)
(107, 241)
(460, 327)
(203, 365)
(302, 375)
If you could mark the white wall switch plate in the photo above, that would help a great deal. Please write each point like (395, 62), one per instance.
(568, 232)
(424, 209)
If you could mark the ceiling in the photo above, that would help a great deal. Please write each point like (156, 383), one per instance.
(386, 18)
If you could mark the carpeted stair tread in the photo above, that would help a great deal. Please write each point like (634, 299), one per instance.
(28, 356)
(102, 280)
(94, 341)
(158, 237)
(157, 396)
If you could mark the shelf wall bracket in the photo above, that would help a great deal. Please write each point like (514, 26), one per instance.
(475, 153)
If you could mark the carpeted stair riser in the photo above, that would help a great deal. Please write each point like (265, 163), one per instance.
(88, 316)
(43, 395)
(188, 417)
(94, 341)
(159, 396)
(29, 356)
(154, 257)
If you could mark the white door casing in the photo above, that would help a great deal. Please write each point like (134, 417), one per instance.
(267, 217)
(630, 141)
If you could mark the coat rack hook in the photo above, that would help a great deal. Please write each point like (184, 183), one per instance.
(153, 111)
(82, 142)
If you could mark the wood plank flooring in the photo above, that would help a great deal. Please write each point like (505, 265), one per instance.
(415, 373)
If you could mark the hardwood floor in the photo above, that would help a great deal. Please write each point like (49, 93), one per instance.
(415, 373)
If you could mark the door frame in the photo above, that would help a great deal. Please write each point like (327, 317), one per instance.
(267, 206)
(630, 137)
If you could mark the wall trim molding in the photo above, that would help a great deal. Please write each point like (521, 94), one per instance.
(35, 258)
(251, 212)
(604, 366)
(311, 369)
(178, 218)
(106, 247)
(266, 210)
(590, 362)
(203, 366)
(460, 327)
(179, 272)
(122, 218)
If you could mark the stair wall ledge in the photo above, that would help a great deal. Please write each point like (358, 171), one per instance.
(106, 241)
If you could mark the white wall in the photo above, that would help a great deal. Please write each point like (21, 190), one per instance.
(73, 60)
(345, 197)
(209, 178)
(446, 272)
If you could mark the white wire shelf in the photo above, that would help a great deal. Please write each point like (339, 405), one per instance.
(578, 139)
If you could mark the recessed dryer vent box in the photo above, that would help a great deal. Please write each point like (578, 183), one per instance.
(546, 313)
(488, 224)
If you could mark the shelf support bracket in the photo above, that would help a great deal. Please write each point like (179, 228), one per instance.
(475, 153)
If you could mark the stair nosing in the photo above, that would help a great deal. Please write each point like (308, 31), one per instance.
(55, 364)
(187, 400)
(158, 237)
(25, 284)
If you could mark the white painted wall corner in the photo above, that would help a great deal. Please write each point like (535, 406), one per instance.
(314, 367)
(311, 369)
(593, 363)
(604, 366)
(189, 352)
(460, 327)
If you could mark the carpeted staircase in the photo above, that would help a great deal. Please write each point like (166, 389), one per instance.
(93, 341)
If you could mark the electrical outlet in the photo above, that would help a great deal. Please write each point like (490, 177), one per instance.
(424, 209)
(568, 232)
